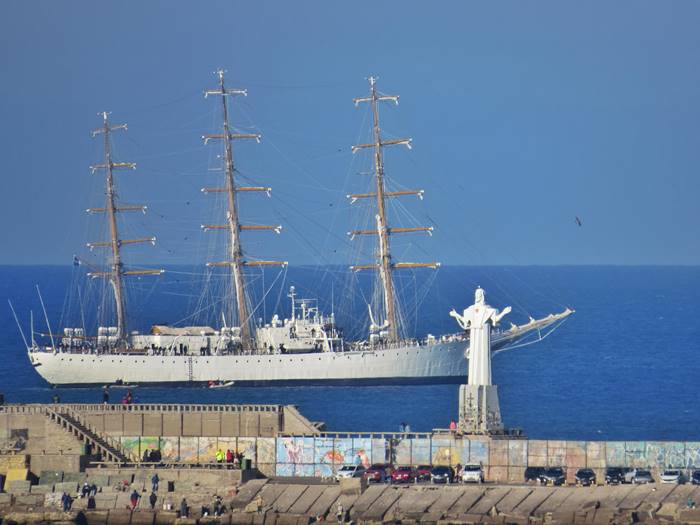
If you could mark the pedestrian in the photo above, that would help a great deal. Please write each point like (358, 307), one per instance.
(93, 490)
(134, 499)
(152, 499)
(67, 502)
(340, 513)
(184, 510)
(56, 399)
(146, 456)
(154, 482)
(105, 395)
(63, 502)
(229, 456)
(91, 504)
(85, 490)
(453, 425)
(219, 456)
(218, 507)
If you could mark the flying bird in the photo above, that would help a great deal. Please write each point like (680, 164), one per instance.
(578, 221)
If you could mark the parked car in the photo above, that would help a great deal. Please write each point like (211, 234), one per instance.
(441, 474)
(403, 474)
(350, 471)
(642, 476)
(423, 472)
(378, 473)
(671, 475)
(585, 477)
(472, 474)
(533, 473)
(695, 477)
(618, 475)
(553, 476)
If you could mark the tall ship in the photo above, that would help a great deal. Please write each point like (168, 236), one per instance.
(307, 347)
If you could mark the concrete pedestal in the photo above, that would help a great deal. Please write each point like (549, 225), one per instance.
(479, 411)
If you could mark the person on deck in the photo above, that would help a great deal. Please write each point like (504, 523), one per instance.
(219, 456)
(134, 499)
(154, 482)
(453, 425)
(105, 395)
(184, 510)
(229, 456)
(153, 499)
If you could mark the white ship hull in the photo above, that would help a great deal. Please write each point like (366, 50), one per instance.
(410, 364)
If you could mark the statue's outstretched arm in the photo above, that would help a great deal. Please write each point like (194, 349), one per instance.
(460, 319)
(497, 317)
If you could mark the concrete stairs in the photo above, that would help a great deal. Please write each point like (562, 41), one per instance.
(108, 448)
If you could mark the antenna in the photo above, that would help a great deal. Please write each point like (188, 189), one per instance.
(48, 325)
(19, 326)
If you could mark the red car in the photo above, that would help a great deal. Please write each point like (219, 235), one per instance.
(403, 475)
(378, 473)
(423, 472)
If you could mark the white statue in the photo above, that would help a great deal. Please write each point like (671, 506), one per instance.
(478, 319)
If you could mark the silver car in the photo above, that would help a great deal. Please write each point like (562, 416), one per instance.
(642, 476)
(671, 475)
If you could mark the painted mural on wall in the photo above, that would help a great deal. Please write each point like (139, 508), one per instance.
(324, 455)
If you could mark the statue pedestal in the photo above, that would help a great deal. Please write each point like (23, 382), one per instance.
(479, 411)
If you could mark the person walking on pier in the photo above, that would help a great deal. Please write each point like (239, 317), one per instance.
(105, 395)
(154, 482)
(134, 499)
(340, 512)
(152, 499)
(184, 511)
(229, 456)
(219, 456)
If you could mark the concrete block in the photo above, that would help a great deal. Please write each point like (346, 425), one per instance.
(133, 424)
(96, 517)
(165, 517)
(211, 424)
(41, 489)
(143, 517)
(71, 487)
(99, 479)
(241, 518)
(49, 477)
(18, 486)
(192, 424)
(119, 517)
(30, 500)
(172, 424)
(5, 498)
(77, 477)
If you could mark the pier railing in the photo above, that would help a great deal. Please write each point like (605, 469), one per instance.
(39, 408)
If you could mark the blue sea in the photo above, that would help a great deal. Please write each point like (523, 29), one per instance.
(626, 366)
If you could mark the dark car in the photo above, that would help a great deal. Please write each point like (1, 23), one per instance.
(378, 473)
(533, 473)
(423, 472)
(695, 477)
(403, 475)
(553, 476)
(442, 475)
(614, 476)
(585, 477)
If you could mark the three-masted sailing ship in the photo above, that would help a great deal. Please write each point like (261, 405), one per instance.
(305, 348)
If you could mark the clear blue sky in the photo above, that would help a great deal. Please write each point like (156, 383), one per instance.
(523, 115)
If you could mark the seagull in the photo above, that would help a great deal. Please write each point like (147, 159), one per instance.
(578, 221)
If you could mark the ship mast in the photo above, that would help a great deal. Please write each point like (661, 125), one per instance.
(115, 243)
(383, 231)
(233, 226)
